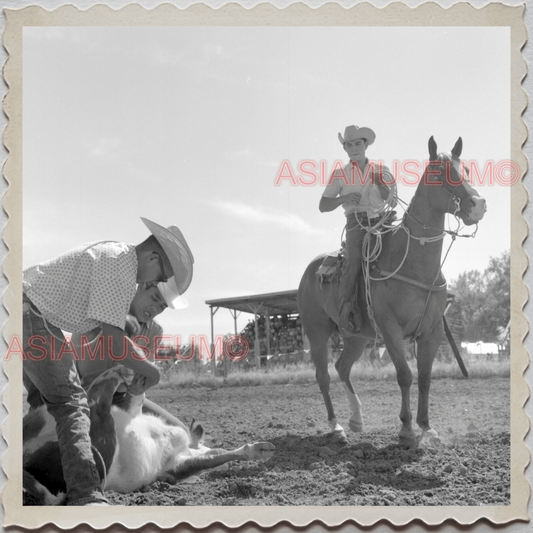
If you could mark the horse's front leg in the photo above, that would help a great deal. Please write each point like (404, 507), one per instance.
(353, 348)
(426, 351)
(393, 337)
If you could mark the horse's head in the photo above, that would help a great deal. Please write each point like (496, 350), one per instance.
(457, 197)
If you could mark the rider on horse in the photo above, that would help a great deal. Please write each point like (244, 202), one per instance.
(363, 188)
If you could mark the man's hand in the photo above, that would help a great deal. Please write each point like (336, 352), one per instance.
(353, 198)
(135, 358)
(133, 328)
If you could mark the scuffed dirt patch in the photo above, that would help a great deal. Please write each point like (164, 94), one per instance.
(468, 465)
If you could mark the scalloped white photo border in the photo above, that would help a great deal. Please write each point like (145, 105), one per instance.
(364, 14)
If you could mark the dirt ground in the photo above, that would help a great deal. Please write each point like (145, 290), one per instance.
(469, 466)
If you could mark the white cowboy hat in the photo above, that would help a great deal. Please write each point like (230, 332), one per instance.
(171, 294)
(177, 250)
(352, 133)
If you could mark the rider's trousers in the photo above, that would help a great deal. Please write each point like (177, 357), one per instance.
(352, 262)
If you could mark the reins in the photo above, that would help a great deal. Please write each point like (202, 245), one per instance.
(445, 232)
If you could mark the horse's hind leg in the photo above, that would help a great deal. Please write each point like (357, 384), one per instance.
(318, 326)
(318, 342)
(353, 348)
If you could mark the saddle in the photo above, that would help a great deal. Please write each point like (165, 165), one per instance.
(330, 265)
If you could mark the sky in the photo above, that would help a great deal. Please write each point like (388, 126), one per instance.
(192, 125)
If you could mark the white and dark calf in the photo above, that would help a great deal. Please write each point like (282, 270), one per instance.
(131, 449)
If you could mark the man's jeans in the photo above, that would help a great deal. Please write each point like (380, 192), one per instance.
(351, 267)
(58, 383)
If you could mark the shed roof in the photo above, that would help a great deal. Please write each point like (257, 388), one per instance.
(261, 304)
(271, 303)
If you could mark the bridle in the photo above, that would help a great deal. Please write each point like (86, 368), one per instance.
(457, 192)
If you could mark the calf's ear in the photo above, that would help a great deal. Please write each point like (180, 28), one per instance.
(197, 432)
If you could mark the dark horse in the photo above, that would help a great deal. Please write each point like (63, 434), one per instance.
(407, 294)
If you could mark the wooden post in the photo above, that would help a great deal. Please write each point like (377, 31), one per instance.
(213, 355)
(305, 340)
(257, 344)
(267, 328)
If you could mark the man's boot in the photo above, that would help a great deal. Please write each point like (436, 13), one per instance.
(347, 326)
(357, 319)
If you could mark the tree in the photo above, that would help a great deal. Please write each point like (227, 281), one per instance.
(485, 299)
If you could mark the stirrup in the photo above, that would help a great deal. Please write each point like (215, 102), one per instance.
(346, 326)
(348, 333)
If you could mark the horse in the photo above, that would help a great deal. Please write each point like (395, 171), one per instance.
(406, 293)
(131, 449)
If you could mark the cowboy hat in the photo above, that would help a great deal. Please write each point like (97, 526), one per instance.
(177, 250)
(170, 293)
(352, 133)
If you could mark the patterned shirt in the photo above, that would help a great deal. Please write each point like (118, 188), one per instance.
(349, 179)
(85, 287)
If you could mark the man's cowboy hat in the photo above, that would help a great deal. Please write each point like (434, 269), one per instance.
(171, 294)
(177, 250)
(352, 133)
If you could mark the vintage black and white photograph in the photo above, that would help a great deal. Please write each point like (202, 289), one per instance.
(269, 265)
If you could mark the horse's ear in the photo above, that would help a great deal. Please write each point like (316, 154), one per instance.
(432, 145)
(458, 148)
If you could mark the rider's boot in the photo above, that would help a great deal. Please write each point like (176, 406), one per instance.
(357, 318)
(349, 323)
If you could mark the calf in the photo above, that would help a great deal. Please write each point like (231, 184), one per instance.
(131, 449)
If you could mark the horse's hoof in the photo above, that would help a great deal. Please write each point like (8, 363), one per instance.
(408, 441)
(339, 436)
(355, 426)
(429, 438)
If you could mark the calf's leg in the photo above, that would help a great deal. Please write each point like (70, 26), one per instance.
(205, 460)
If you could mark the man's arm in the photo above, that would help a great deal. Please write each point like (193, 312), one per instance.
(329, 204)
(385, 183)
(135, 358)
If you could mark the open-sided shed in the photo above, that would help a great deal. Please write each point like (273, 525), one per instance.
(266, 305)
